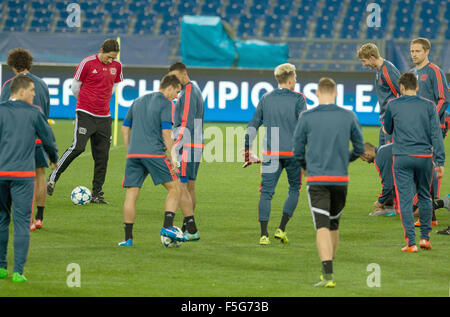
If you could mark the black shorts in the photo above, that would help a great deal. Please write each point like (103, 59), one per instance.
(327, 203)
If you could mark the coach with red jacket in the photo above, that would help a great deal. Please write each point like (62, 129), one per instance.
(93, 85)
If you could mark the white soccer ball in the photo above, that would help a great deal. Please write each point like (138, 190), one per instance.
(169, 242)
(81, 195)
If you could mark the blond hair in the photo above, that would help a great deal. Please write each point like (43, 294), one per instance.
(367, 50)
(283, 72)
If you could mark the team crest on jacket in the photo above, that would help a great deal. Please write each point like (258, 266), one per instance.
(423, 77)
(113, 71)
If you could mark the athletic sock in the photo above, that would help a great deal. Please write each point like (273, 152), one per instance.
(327, 267)
(168, 219)
(128, 227)
(284, 221)
(40, 213)
(190, 224)
(264, 228)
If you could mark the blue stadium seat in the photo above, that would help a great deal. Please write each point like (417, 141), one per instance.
(234, 9)
(187, 8)
(14, 24)
(171, 25)
(283, 9)
(273, 26)
(312, 66)
(337, 67)
(61, 26)
(145, 24)
(299, 27)
(90, 15)
(43, 13)
(15, 4)
(118, 26)
(113, 7)
(324, 28)
(259, 8)
(210, 8)
(247, 26)
(430, 28)
(92, 26)
(296, 49)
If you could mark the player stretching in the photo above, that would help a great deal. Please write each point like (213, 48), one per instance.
(147, 135)
(386, 78)
(279, 110)
(187, 117)
(93, 85)
(20, 61)
(321, 144)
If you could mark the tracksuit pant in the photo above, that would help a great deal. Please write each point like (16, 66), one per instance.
(98, 130)
(411, 174)
(19, 194)
(270, 174)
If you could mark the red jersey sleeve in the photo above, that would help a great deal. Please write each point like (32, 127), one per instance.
(82, 70)
(119, 76)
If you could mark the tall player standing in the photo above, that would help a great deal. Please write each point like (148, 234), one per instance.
(21, 60)
(187, 117)
(386, 78)
(432, 86)
(93, 86)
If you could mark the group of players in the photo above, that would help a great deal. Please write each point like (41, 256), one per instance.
(165, 139)
(410, 156)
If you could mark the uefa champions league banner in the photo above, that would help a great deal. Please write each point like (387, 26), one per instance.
(231, 95)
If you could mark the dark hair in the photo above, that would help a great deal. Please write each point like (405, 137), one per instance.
(110, 45)
(20, 59)
(408, 80)
(327, 85)
(178, 66)
(369, 146)
(170, 80)
(20, 81)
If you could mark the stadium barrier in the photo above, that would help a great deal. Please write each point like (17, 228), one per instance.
(231, 95)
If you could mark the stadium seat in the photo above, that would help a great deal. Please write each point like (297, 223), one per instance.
(92, 26)
(299, 27)
(14, 24)
(283, 10)
(247, 26)
(273, 26)
(297, 49)
(211, 8)
(234, 9)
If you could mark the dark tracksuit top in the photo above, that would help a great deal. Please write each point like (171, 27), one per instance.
(321, 144)
(278, 109)
(20, 123)
(186, 113)
(41, 98)
(386, 86)
(414, 124)
(433, 86)
(383, 164)
(147, 117)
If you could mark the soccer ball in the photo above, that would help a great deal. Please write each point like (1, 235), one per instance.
(81, 196)
(169, 242)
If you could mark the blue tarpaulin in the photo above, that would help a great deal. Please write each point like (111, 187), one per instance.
(260, 54)
(205, 42)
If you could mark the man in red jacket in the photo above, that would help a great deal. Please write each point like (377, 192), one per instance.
(93, 85)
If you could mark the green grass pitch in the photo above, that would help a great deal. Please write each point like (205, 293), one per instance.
(228, 260)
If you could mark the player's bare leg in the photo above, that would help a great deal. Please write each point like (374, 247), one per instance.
(191, 190)
(334, 240)
(326, 246)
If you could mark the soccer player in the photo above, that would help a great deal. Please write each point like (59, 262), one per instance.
(321, 144)
(20, 60)
(413, 151)
(93, 84)
(20, 123)
(431, 79)
(187, 118)
(386, 78)
(382, 158)
(279, 111)
(147, 135)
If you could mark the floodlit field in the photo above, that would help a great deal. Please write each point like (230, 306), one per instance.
(227, 261)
